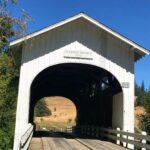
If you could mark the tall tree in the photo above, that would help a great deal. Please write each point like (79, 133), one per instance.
(145, 118)
(146, 101)
(41, 109)
(10, 26)
(142, 86)
(139, 94)
(8, 94)
(9, 74)
(6, 31)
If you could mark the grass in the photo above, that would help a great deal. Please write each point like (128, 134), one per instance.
(53, 126)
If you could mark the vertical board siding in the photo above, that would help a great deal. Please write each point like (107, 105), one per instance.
(117, 116)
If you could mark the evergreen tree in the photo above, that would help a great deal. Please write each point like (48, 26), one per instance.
(144, 119)
(146, 101)
(142, 86)
(139, 93)
(149, 89)
(41, 109)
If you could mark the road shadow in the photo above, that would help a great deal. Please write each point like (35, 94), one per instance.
(64, 135)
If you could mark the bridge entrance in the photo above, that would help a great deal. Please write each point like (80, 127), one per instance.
(91, 89)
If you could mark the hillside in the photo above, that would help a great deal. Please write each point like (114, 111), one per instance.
(63, 112)
(137, 111)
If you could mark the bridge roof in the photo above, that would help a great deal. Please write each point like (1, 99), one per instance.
(139, 50)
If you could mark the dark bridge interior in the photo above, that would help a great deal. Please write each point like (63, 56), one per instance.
(89, 87)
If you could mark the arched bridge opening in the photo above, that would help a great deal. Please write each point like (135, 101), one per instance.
(96, 93)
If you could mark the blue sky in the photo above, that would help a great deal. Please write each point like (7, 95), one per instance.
(128, 17)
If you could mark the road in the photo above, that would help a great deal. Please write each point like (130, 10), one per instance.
(61, 141)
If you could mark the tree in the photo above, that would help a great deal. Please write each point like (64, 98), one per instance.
(143, 99)
(144, 122)
(146, 101)
(6, 30)
(139, 92)
(8, 95)
(144, 119)
(41, 109)
(149, 89)
(142, 86)
(10, 27)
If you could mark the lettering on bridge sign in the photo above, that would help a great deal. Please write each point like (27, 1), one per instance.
(78, 54)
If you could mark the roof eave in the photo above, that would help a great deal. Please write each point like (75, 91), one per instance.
(95, 22)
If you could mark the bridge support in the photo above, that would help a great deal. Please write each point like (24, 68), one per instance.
(22, 114)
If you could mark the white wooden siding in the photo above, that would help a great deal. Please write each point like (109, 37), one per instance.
(48, 49)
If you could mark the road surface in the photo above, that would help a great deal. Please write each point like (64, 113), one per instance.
(62, 141)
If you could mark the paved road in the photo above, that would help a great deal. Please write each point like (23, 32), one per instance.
(59, 141)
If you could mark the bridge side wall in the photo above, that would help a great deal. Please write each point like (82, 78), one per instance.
(117, 116)
(52, 47)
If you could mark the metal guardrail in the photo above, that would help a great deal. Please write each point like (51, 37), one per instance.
(140, 140)
(26, 138)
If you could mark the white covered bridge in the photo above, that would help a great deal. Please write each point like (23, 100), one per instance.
(85, 61)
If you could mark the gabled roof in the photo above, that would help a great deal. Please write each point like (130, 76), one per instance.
(137, 48)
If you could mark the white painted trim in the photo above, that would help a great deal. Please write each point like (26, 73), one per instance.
(82, 15)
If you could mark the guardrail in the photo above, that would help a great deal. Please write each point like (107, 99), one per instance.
(120, 137)
(69, 129)
(26, 138)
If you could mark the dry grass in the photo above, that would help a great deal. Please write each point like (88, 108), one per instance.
(138, 111)
(63, 113)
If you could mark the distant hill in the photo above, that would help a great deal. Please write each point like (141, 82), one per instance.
(62, 109)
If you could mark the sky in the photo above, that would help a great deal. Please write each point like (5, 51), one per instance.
(130, 18)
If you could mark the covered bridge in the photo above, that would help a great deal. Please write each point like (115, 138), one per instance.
(83, 60)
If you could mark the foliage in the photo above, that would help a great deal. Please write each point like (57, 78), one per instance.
(144, 122)
(142, 86)
(6, 30)
(137, 130)
(145, 118)
(146, 101)
(54, 126)
(10, 28)
(9, 77)
(8, 95)
(139, 91)
(143, 99)
(41, 109)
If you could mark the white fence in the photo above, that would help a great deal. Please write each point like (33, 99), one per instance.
(69, 129)
(120, 137)
(26, 138)
(116, 135)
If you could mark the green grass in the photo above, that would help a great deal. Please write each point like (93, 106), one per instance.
(53, 126)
